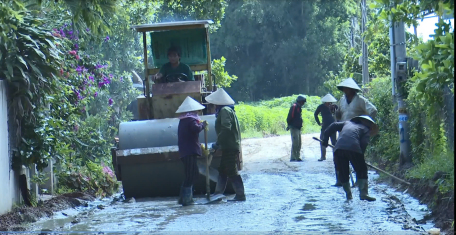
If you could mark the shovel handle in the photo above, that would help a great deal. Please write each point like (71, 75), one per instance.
(208, 186)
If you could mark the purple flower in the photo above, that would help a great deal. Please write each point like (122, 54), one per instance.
(100, 84)
(121, 78)
(87, 29)
(110, 75)
(79, 69)
(91, 78)
(110, 101)
(96, 94)
(76, 46)
(108, 171)
(106, 80)
(106, 39)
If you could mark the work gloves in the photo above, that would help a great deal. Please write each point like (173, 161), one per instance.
(205, 151)
(205, 125)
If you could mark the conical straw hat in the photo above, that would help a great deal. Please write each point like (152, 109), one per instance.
(328, 99)
(373, 127)
(220, 97)
(350, 83)
(189, 105)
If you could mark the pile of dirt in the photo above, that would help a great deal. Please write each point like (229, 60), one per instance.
(11, 221)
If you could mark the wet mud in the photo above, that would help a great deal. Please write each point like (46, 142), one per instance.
(283, 197)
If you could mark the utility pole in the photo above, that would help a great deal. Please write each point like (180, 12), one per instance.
(399, 78)
(364, 45)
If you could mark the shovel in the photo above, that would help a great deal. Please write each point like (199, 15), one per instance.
(376, 168)
(208, 198)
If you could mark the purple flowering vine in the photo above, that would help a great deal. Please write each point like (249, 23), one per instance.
(110, 101)
(106, 39)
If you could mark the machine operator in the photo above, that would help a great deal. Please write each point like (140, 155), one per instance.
(174, 70)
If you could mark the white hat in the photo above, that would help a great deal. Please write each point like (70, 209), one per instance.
(373, 126)
(328, 99)
(189, 105)
(349, 83)
(220, 97)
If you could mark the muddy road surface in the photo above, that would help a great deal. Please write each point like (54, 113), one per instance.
(282, 197)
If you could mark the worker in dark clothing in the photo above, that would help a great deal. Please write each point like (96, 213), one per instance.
(327, 110)
(294, 121)
(351, 105)
(189, 128)
(350, 147)
(174, 70)
(229, 141)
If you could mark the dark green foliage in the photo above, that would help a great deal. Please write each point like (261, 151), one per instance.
(278, 48)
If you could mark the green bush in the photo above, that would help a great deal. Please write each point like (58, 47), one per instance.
(269, 117)
(438, 161)
(90, 177)
(385, 146)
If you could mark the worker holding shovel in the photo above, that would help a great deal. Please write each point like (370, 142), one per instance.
(350, 147)
(326, 109)
(351, 105)
(189, 128)
(229, 141)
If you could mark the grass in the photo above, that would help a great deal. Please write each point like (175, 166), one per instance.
(265, 118)
(438, 162)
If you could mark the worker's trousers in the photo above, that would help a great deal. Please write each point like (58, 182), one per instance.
(191, 170)
(344, 158)
(295, 143)
(229, 162)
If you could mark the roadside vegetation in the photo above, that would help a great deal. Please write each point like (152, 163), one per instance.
(69, 72)
(268, 118)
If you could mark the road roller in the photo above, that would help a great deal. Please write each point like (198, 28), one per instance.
(145, 157)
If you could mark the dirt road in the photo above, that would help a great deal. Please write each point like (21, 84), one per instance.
(282, 196)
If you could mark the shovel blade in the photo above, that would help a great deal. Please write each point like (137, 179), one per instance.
(213, 173)
(213, 199)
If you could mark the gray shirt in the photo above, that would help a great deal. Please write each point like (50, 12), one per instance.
(352, 136)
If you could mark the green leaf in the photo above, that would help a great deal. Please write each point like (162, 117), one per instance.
(40, 53)
(22, 61)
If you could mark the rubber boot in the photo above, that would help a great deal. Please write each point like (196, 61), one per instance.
(347, 190)
(363, 192)
(187, 196)
(323, 154)
(221, 184)
(238, 186)
(180, 194)
(338, 183)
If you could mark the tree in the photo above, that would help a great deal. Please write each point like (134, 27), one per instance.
(280, 48)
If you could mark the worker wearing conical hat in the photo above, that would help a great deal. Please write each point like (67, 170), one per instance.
(229, 141)
(350, 147)
(326, 110)
(351, 105)
(189, 128)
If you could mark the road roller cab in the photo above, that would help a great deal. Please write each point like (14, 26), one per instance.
(146, 157)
